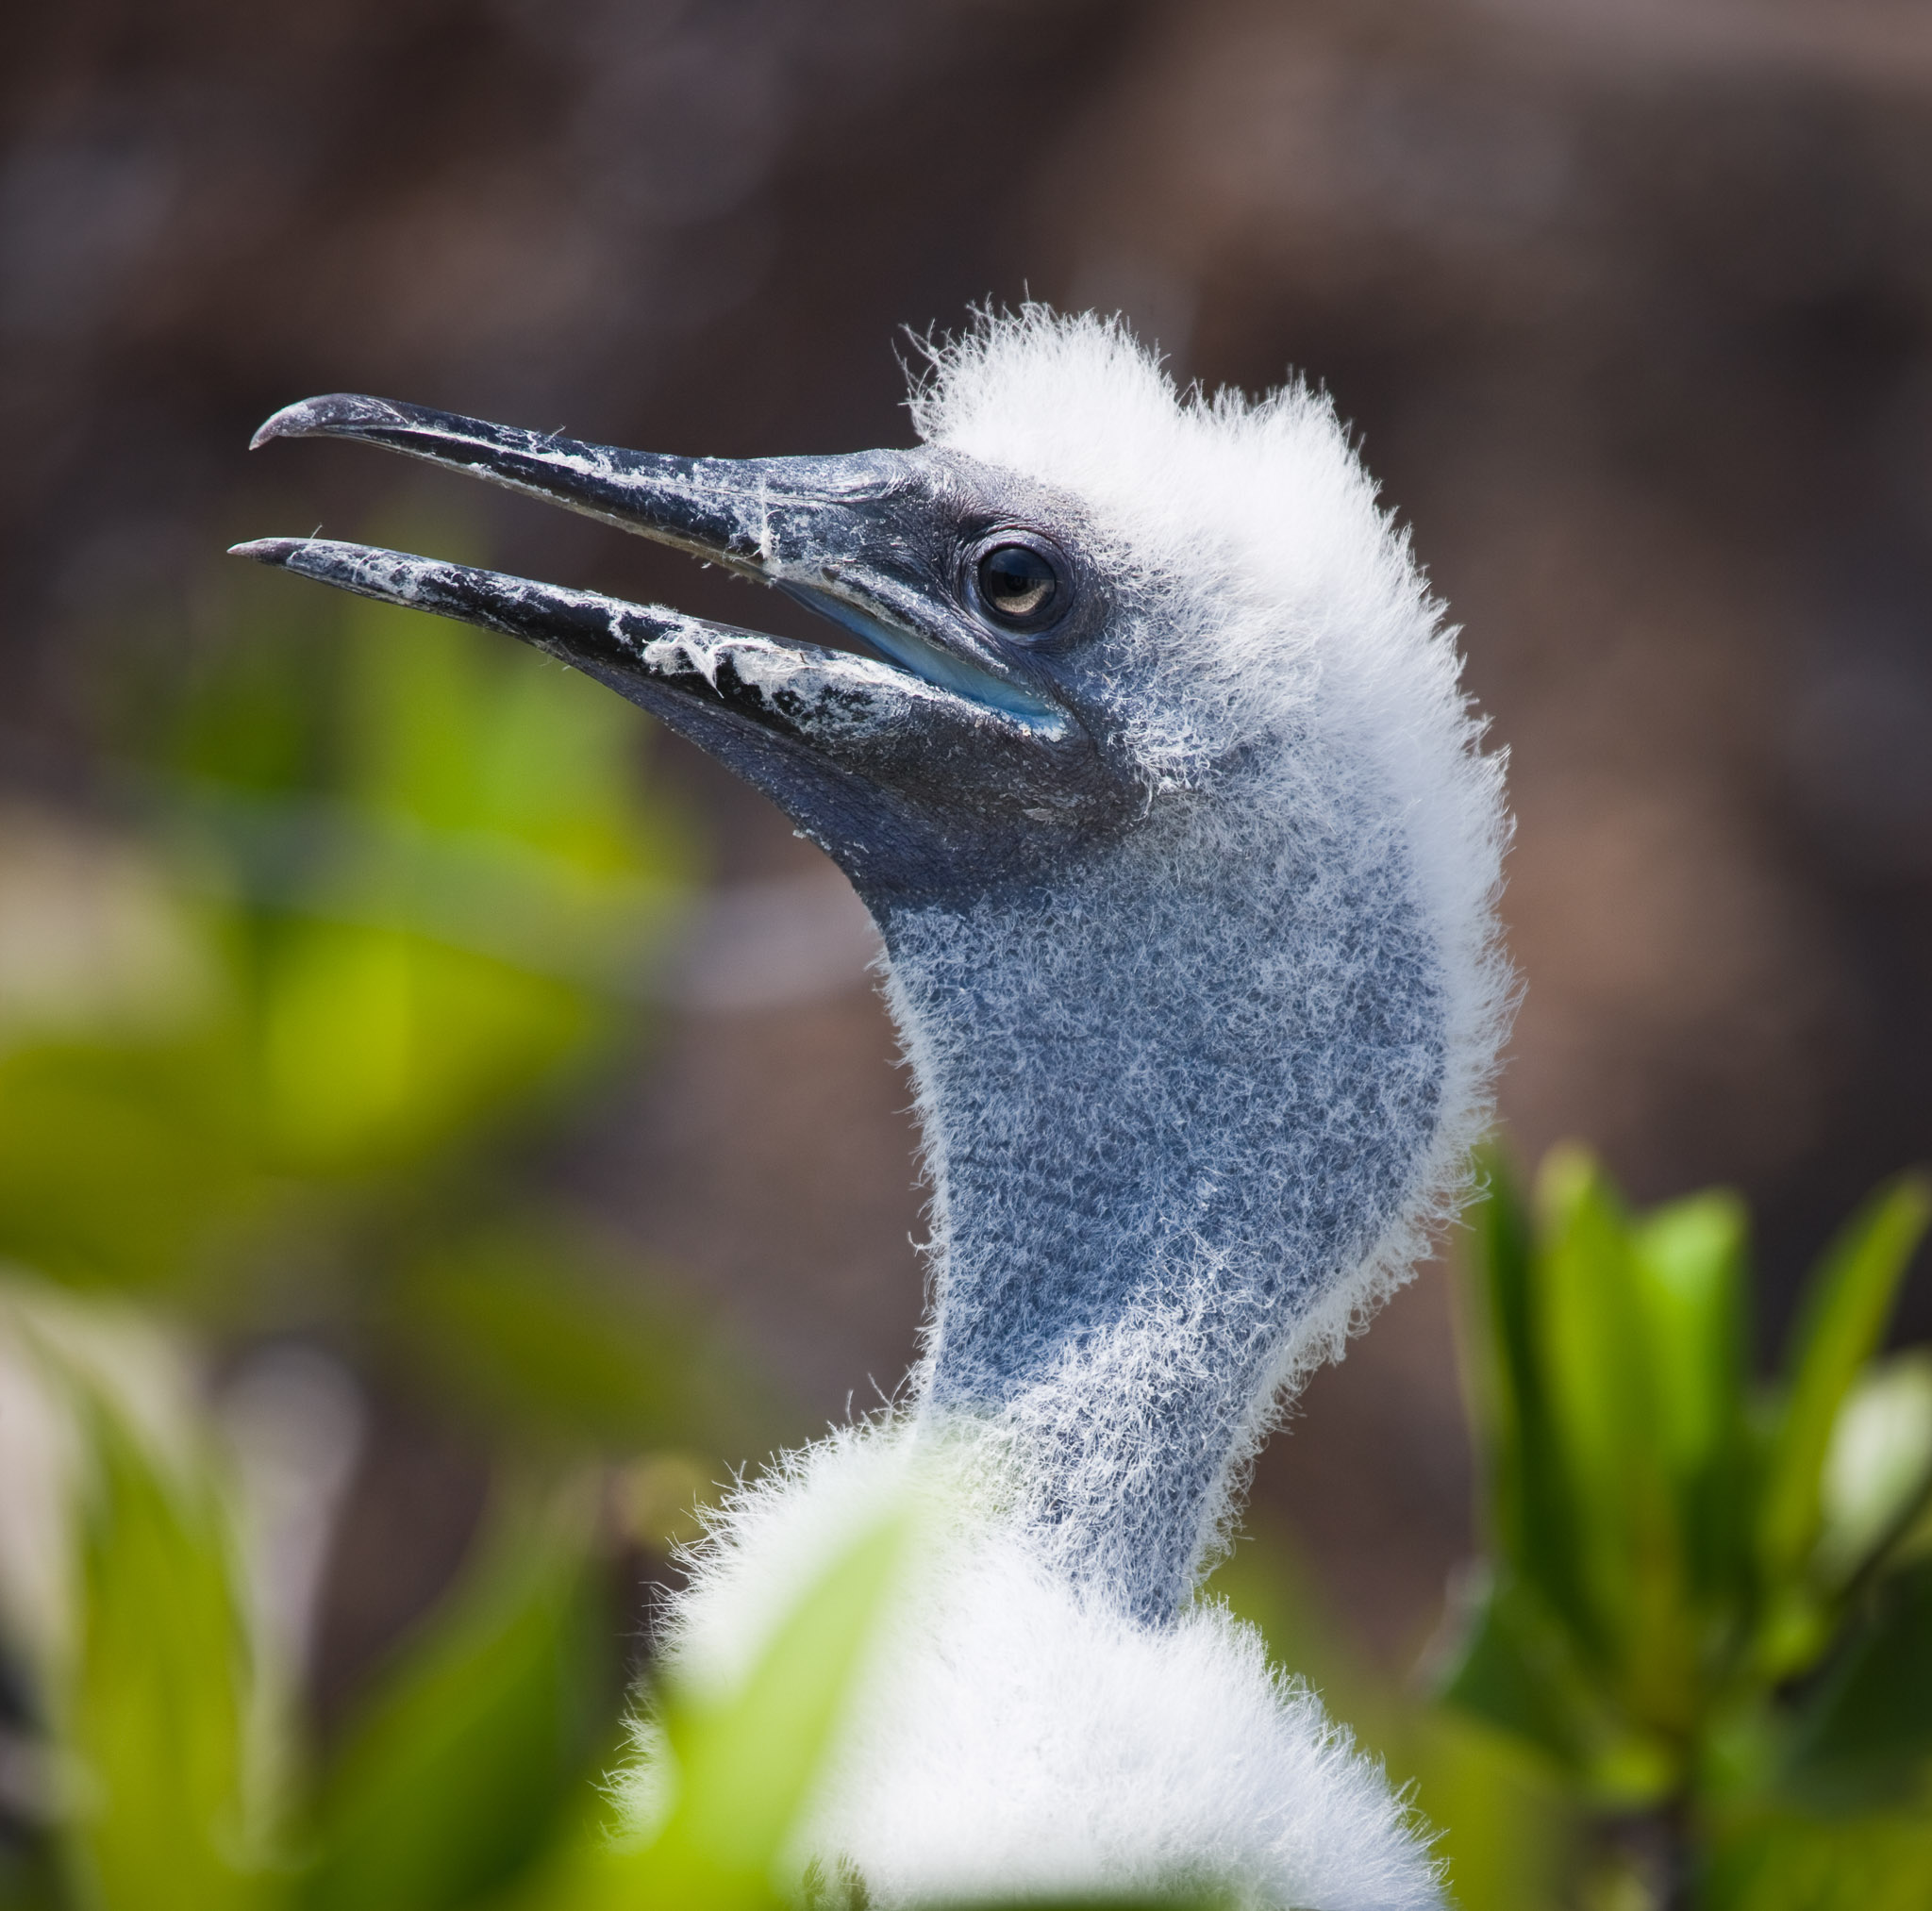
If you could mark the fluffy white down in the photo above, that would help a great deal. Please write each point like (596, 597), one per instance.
(1012, 1739)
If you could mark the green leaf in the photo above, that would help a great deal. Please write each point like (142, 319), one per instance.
(1689, 1263)
(1513, 1670)
(1508, 1824)
(1531, 1512)
(462, 1769)
(1865, 1738)
(1878, 1469)
(1505, 1379)
(1689, 1267)
(1499, 1805)
(743, 1766)
(1841, 1325)
(154, 1715)
(1788, 1861)
(1517, 1670)
(1603, 1390)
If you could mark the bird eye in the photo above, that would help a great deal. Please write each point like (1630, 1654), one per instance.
(1019, 584)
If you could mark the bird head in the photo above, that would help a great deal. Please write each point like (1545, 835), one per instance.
(985, 727)
(1153, 766)
(1067, 616)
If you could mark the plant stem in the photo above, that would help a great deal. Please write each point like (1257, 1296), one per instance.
(1648, 1859)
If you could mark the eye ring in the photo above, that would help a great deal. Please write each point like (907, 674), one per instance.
(1020, 582)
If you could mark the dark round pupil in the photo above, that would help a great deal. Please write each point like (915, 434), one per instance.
(1016, 581)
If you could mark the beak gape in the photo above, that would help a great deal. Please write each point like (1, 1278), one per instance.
(922, 770)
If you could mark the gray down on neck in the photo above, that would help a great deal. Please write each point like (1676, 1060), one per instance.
(1174, 1098)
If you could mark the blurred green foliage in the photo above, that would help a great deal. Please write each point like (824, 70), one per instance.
(740, 1767)
(1507, 1827)
(400, 902)
(384, 901)
(1708, 1608)
(277, 1057)
(473, 1758)
(392, 899)
(468, 1776)
(178, 1786)
(1789, 1769)
(151, 1721)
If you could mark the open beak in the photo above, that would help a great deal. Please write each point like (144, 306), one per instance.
(925, 767)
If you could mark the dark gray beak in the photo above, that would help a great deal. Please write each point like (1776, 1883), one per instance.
(936, 766)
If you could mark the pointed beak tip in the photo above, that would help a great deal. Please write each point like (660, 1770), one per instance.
(267, 550)
(335, 411)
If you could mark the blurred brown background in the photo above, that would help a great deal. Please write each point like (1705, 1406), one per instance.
(1629, 300)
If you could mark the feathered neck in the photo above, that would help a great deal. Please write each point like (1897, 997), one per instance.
(1178, 1102)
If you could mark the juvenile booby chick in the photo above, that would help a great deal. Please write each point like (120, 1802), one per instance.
(1157, 781)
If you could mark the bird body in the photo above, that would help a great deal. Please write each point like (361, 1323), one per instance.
(1160, 787)
(1015, 1734)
